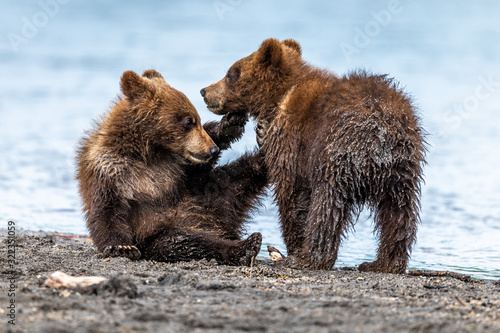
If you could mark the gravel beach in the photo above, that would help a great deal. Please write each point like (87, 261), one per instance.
(145, 296)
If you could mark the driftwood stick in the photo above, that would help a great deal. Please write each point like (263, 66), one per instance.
(458, 276)
(251, 265)
(71, 236)
(461, 301)
(60, 280)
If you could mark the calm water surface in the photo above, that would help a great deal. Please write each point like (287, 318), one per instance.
(60, 67)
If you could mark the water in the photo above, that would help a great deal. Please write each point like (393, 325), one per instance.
(67, 67)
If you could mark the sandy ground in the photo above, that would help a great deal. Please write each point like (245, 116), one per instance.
(144, 296)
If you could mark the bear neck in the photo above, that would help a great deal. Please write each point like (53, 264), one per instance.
(278, 99)
(268, 108)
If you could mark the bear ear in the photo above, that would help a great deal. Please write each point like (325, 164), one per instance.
(270, 53)
(151, 73)
(292, 43)
(133, 86)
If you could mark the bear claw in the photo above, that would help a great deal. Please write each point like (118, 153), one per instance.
(127, 251)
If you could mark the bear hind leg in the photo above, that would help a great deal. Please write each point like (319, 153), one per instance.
(396, 224)
(181, 245)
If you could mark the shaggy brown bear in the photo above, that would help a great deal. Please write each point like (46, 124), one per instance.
(333, 144)
(148, 183)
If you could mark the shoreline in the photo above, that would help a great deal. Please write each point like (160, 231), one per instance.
(474, 273)
(202, 296)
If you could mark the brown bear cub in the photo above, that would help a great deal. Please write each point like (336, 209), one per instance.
(331, 144)
(149, 186)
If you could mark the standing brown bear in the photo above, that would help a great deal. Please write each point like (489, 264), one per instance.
(148, 183)
(332, 144)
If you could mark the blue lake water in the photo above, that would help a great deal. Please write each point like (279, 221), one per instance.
(61, 61)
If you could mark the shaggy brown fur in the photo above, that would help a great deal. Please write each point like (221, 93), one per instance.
(333, 144)
(147, 188)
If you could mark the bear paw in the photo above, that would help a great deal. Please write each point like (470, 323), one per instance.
(234, 119)
(291, 262)
(378, 267)
(252, 248)
(231, 128)
(127, 251)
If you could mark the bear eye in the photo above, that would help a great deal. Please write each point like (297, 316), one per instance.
(189, 122)
(233, 74)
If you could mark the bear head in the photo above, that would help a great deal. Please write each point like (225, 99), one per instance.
(160, 115)
(257, 82)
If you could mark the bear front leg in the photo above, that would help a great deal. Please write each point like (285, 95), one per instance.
(233, 190)
(323, 229)
(229, 130)
(110, 230)
(293, 206)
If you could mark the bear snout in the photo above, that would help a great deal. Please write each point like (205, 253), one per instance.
(214, 150)
(213, 98)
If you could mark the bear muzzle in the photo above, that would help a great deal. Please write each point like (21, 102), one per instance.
(203, 158)
(213, 105)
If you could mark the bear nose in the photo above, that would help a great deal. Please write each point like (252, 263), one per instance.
(203, 92)
(213, 150)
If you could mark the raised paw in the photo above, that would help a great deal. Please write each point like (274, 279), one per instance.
(127, 251)
(252, 248)
(231, 129)
(235, 118)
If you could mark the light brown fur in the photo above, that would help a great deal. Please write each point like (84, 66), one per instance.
(138, 169)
